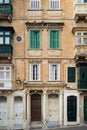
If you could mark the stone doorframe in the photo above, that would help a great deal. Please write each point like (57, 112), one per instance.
(68, 93)
(45, 105)
(44, 95)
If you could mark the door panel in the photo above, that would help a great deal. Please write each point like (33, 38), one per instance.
(85, 108)
(18, 112)
(53, 107)
(35, 107)
(71, 108)
(3, 111)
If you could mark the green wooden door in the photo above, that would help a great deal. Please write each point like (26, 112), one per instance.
(85, 108)
(71, 108)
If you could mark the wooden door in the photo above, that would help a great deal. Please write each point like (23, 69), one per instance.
(36, 107)
(72, 108)
(3, 111)
(85, 108)
(53, 107)
(18, 112)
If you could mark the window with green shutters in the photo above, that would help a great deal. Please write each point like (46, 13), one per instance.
(34, 39)
(71, 74)
(54, 39)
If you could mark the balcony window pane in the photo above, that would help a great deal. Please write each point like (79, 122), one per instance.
(85, 34)
(78, 40)
(85, 40)
(79, 1)
(1, 40)
(79, 34)
(7, 68)
(1, 75)
(7, 75)
(85, 1)
(1, 68)
(7, 33)
(1, 33)
(7, 40)
(7, 1)
(1, 1)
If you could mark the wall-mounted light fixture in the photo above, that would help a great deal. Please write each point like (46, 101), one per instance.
(18, 81)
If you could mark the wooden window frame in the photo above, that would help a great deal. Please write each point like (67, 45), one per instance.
(35, 72)
(54, 72)
(80, 39)
(4, 36)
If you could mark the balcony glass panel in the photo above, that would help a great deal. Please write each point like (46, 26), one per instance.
(82, 84)
(6, 50)
(5, 9)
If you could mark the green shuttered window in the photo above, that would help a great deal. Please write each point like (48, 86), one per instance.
(34, 39)
(54, 39)
(71, 74)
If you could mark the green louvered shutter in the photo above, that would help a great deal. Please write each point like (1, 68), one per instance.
(34, 39)
(71, 74)
(38, 39)
(54, 39)
(51, 39)
(31, 39)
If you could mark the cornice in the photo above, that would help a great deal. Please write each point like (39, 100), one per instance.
(41, 25)
(74, 29)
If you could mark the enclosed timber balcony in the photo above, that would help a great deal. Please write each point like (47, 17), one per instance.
(6, 12)
(82, 84)
(80, 50)
(81, 64)
(80, 12)
(6, 50)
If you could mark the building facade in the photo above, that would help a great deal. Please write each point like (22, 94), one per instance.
(43, 63)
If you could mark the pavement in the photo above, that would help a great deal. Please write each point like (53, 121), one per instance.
(78, 127)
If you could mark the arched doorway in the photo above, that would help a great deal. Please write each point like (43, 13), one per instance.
(3, 111)
(53, 108)
(18, 112)
(71, 108)
(35, 107)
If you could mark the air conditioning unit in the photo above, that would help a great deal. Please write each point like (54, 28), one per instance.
(69, 86)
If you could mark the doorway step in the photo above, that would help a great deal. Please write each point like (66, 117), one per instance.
(36, 125)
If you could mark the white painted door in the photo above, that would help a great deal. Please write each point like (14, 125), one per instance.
(3, 111)
(18, 112)
(53, 107)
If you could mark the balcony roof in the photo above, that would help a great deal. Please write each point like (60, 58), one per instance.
(3, 28)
